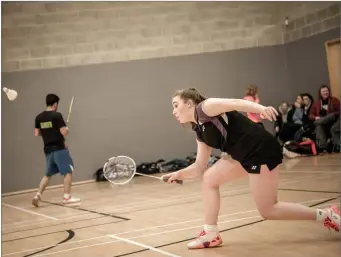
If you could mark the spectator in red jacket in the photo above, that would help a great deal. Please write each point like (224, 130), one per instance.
(324, 112)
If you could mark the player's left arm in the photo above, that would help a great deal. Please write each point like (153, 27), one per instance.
(217, 106)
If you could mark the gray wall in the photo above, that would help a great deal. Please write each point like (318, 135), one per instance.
(125, 108)
(307, 64)
(135, 96)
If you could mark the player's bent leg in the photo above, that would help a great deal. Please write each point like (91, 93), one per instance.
(65, 165)
(221, 172)
(264, 188)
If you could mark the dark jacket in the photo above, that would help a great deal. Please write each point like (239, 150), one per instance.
(333, 106)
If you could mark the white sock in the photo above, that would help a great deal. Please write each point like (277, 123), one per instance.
(321, 215)
(66, 196)
(211, 228)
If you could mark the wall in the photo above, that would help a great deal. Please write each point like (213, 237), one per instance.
(130, 111)
(189, 42)
(40, 35)
(314, 18)
(311, 24)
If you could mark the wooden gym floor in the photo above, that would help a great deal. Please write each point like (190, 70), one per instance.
(149, 218)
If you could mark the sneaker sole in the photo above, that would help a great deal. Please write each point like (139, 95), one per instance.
(207, 245)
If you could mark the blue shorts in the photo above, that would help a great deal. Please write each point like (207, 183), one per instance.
(59, 161)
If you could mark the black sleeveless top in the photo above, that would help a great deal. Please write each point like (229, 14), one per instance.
(235, 134)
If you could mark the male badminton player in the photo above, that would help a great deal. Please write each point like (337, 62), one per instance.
(219, 124)
(51, 126)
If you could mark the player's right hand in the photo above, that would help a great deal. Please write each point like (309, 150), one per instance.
(171, 177)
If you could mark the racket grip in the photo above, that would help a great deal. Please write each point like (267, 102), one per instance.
(177, 181)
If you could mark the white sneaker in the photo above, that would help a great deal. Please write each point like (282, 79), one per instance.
(332, 221)
(36, 199)
(206, 240)
(71, 200)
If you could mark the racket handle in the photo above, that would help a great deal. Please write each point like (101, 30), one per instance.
(177, 181)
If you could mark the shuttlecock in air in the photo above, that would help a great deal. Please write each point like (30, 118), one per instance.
(11, 94)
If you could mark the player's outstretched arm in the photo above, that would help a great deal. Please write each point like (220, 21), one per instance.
(217, 106)
(197, 168)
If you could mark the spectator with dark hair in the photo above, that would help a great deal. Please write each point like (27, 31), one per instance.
(324, 112)
(307, 127)
(282, 118)
(294, 121)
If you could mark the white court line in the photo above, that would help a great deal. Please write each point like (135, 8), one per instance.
(172, 199)
(146, 235)
(49, 221)
(154, 227)
(144, 246)
(199, 195)
(28, 211)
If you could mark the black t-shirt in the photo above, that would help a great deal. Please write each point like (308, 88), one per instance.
(235, 134)
(49, 123)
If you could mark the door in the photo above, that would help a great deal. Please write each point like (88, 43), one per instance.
(333, 61)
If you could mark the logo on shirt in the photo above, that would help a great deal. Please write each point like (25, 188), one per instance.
(46, 125)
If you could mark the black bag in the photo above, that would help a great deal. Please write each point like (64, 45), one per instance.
(300, 148)
(149, 167)
(99, 175)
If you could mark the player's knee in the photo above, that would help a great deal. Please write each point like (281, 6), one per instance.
(267, 212)
(208, 181)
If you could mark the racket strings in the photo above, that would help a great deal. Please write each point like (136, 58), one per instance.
(119, 170)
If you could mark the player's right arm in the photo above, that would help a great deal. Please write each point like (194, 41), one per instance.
(37, 127)
(61, 125)
(197, 168)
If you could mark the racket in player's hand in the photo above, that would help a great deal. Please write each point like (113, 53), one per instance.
(171, 177)
(269, 113)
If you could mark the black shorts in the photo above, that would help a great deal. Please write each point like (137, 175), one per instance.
(267, 153)
(255, 167)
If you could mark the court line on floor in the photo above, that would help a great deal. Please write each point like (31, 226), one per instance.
(195, 195)
(70, 236)
(28, 211)
(199, 196)
(87, 210)
(221, 231)
(160, 226)
(144, 246)
(36, 228)
(49, 221)
(55, 232)
(308, 191)
(238, 188)
(176, 198)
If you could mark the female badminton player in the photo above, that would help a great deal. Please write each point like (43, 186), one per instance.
(219, 124)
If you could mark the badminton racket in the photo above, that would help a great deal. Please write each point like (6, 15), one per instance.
(70, 110)
(120, 170)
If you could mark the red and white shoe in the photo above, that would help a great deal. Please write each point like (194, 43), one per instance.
(71, 200)
(332, 221)
(206, 240)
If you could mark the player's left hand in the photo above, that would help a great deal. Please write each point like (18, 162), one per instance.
(269, 113)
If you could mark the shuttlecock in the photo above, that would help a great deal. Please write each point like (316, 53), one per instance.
(11, 94)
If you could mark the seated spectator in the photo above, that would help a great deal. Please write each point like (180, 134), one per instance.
(294, 121)
(307, 104)
(252, 95)
(307, 128)
(282, 118)
(325, 112)
(335, 131)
